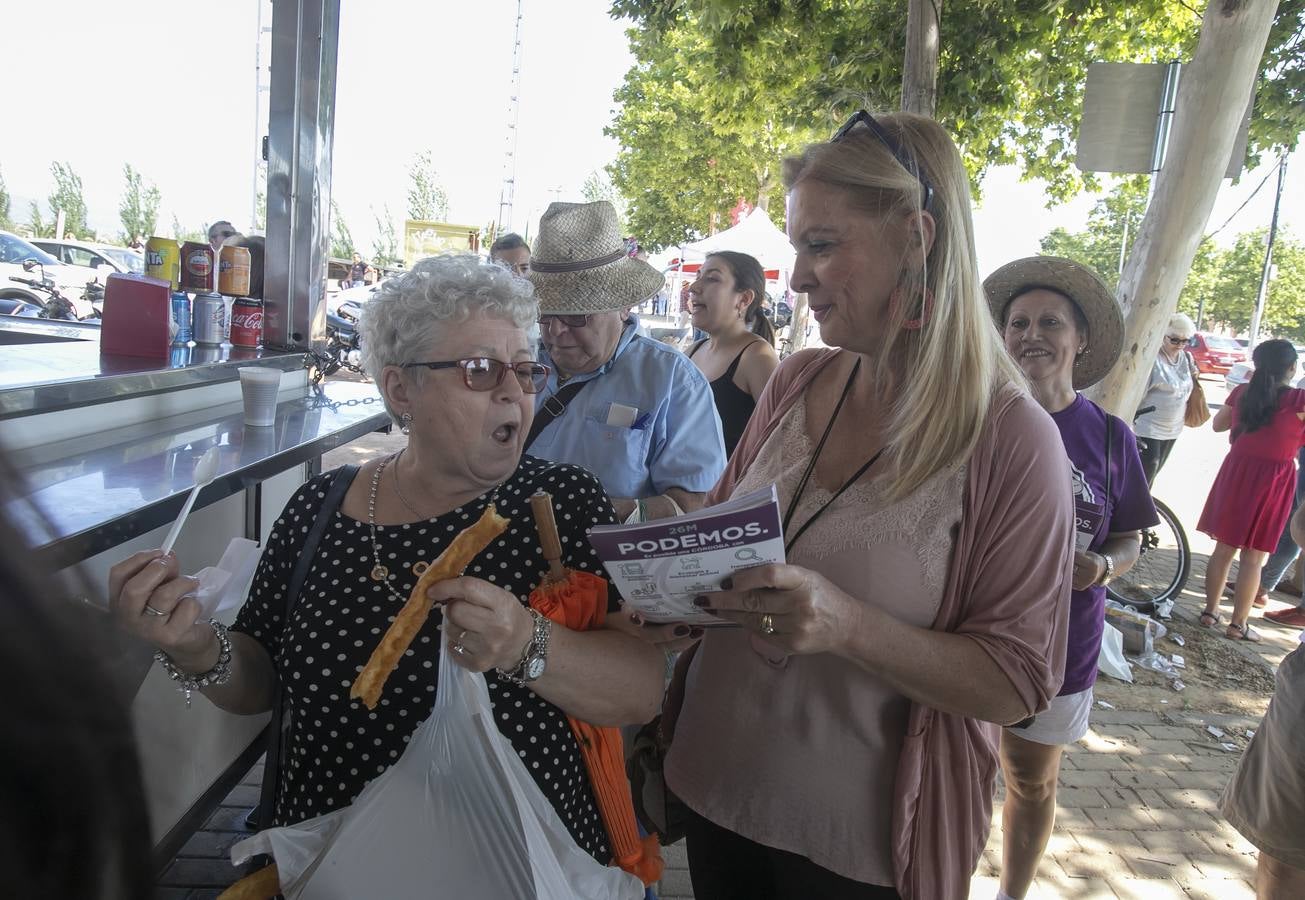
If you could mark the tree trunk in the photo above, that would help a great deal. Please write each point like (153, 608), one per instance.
(1211, 101)
(920, 68)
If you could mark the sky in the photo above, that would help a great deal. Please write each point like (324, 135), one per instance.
(169, 86)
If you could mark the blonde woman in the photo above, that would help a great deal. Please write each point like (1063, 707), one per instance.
(842, 742)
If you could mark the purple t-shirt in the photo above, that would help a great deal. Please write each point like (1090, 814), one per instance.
(1082, 427)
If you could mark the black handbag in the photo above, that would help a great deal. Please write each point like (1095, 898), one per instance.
(278, 730)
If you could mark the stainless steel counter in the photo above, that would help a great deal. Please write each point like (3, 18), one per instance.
(40, 378)
(110, 486)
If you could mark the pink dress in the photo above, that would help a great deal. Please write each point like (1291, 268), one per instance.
(1255, 489)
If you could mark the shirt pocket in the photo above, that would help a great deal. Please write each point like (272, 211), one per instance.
(623, 449)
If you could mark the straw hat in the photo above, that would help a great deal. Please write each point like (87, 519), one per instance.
(580, 263)
(1082, 286)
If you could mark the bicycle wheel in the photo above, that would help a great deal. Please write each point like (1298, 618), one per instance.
(1162, 567)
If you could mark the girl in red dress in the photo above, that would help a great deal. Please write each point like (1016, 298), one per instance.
(1255, 488)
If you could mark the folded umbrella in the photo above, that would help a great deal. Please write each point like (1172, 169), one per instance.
(578, 600)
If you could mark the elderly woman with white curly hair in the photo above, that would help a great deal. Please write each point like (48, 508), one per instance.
(446, 345)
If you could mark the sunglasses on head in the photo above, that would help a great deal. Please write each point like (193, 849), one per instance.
(480, 373)
(861, 117)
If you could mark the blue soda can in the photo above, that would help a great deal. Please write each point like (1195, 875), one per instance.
(181, 315)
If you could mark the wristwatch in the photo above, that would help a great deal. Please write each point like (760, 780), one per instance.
(1109, 575)
(534, 659)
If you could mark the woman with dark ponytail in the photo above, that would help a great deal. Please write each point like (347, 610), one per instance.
(739, 354)
(1255, 489)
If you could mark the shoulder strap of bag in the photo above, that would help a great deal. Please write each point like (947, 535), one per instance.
(553, 407)
(1110, 440)
(278, 730)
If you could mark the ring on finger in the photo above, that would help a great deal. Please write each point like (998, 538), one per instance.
(458, 648)
(767, 624)
(149, 610)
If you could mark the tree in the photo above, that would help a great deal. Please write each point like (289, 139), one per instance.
(1111, 228)
(198, 235)
(342, 245)
(385, 247)
(598, 186)
(692, 143)
(67, 196)
(1238, 282)
(5, 222)
(1010, 73)
(427, 199)
(37, 224)
(139, 209)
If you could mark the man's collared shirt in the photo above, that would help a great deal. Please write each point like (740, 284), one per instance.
(672, 439)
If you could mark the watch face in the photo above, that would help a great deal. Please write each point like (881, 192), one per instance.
(534, 668)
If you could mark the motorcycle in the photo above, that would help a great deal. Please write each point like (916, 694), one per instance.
(57, 305)
(342, 341)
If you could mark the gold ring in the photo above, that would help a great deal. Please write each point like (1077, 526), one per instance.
(767, 624)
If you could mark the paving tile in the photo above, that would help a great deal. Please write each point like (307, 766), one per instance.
(1186, 842)
(212, 844)
(1191, 798)
(1077, 888)
(1118, 797)
(1105, 840)
(1079, 798)
(246, 795)
(1170, 732)
(1135, 778)
(1103, 762)
(1184, 819)
(1134, 819)
(228, 818)
(1077, 778)
(1225, 763)
(1150, 798)
(1208, 781)
(1221, 890)
(200, 873)
(1145, 889)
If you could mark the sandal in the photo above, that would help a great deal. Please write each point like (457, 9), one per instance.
(1242, 633)
(1211, 619)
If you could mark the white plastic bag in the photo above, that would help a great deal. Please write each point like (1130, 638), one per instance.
(226, 585)
(458, 816)
(1111, 659)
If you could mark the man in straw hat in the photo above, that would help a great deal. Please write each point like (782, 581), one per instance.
(634, 411)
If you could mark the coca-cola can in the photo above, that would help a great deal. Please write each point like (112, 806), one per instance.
(209, 313)
(246, 322)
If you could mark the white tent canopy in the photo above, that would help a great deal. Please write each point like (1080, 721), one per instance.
(755, 234)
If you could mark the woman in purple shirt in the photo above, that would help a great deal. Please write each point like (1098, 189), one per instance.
(1063, 326)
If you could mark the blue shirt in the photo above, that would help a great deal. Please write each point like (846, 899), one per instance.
(674, 440)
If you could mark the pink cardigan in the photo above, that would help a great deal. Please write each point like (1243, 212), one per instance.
(1007, 589)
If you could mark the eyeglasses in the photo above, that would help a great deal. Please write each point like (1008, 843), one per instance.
(568, 321)
(1176, 341)
(861, 117)
(480, 373)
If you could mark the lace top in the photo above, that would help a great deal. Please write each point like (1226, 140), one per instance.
(800, 753)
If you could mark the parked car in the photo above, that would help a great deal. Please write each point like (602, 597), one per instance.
(104, 258)
(1241, 372)
(71, 280)
(1215, 354)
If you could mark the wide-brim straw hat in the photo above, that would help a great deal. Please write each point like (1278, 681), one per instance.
(580, 263)
(1081, 285)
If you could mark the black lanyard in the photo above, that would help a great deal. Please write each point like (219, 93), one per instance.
(806, 476)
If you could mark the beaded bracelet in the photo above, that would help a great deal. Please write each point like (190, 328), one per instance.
(219, 674)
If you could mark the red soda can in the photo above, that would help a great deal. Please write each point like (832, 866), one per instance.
(246, 322)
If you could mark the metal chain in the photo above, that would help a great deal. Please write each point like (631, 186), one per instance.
(318, 364)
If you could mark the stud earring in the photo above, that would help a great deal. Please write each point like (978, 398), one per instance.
(405, 423)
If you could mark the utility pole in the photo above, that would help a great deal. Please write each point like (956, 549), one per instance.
(508, 192)
(261, 87)
(920, 68)
(1263, 296)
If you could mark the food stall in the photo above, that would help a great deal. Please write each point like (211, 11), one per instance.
(108, 443)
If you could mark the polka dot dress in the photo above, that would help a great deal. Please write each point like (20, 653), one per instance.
(337, 744)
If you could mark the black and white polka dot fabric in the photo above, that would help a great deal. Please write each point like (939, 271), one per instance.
(337, 745)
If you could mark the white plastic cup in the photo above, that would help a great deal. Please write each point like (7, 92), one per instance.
(259, 385)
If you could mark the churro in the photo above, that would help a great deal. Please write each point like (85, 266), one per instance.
(397, 638)
(261, 885)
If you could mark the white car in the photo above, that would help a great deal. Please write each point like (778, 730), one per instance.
(71, 280)
(1241, 372)
(104, 258)
(354, 296)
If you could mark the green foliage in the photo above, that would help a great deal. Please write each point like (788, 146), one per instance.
(427, 199)
(1238, 284)
(1112, 225)
(385, 246)
(342, 245)
(598, 186)
(1010, 75)
(694, 143)
(67, 196)
(139, 209)
(199, 235)
(37, 224)
(5, 222)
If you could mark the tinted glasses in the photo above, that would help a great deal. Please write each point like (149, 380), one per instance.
(1176, 341)
(568, 321)
(861, 117)
(480, 373)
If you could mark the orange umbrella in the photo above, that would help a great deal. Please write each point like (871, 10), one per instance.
(578, 600)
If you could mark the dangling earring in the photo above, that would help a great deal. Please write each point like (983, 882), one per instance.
(895, 301)
(405, 423)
